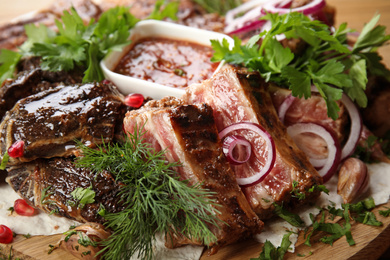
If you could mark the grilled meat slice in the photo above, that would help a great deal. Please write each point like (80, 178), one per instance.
(314, 110)
(31, 80)
(50, 121)
(189, 136)
(13, 34)
(47, 184)
(311, 110)
(189, 13)
(239, 96)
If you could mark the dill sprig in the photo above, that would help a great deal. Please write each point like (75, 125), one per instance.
(155, 199)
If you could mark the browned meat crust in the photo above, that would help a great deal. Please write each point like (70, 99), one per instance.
(188, 134)
(238, 96)
(31, 80)
(48, 184)
(50, 121)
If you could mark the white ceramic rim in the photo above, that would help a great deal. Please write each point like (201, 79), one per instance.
(156, 28)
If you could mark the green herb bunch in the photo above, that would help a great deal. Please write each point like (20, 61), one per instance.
(155, 200)
(77, 44)
(328, 62)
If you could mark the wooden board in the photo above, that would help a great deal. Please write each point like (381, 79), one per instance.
(371, 242)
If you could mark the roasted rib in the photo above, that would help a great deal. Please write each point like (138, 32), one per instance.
(189, 136)
(50, 121)
(238, 96)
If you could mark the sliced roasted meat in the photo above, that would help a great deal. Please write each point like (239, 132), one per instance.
(13, 34)
(31, 80)
(314, 110)
(50, 121)
(238, 96)
(47, 184)
(189, 13)
(189, 136)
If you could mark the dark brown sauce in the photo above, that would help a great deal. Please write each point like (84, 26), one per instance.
(169, 62)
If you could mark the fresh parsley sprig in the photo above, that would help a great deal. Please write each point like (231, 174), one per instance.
(155, 199)
(270, 252)
(76, 44)
(327, 62)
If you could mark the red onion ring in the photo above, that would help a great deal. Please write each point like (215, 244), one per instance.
(279, 6)
(252, 10)
(331, 163)
(287, 102)
(269, 164)
(230, 143)
(356, 127)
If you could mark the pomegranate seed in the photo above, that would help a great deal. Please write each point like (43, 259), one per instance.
(106, 81)
(16, 149)
(22, 208)
(134, 100)
(6, 235)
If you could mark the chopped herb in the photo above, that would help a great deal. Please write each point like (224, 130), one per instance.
(27, 236)
(385, 213)
(296, 193)
(52, 247)
(270, 252)
(4, 160)
(359, 212)
(72, 227)
(180, 72)
(320, 188)
(84, 240)
(83, 196)
(290, 217)
(11, 210)
(45, 195)
(326, 63)
(155, 199)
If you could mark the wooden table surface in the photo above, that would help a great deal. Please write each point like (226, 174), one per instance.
(354, 12)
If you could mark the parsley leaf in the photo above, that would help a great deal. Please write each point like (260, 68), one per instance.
(8, 60)
(4, 161)
(385, 213)
(326, 63)
(290, 217)
(83, 196)
(270, 252)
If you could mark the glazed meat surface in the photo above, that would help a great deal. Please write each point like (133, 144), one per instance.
(30, 80)
(47, 184)
(49, 122)
(189, 136)
(238, 96)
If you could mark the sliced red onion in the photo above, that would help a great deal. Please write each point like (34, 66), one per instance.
(281, 7)
(250, 19)
(356, 127)
(287, 102)
(232, 21)
(270, 160)
(230, 143)
(331, 163)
